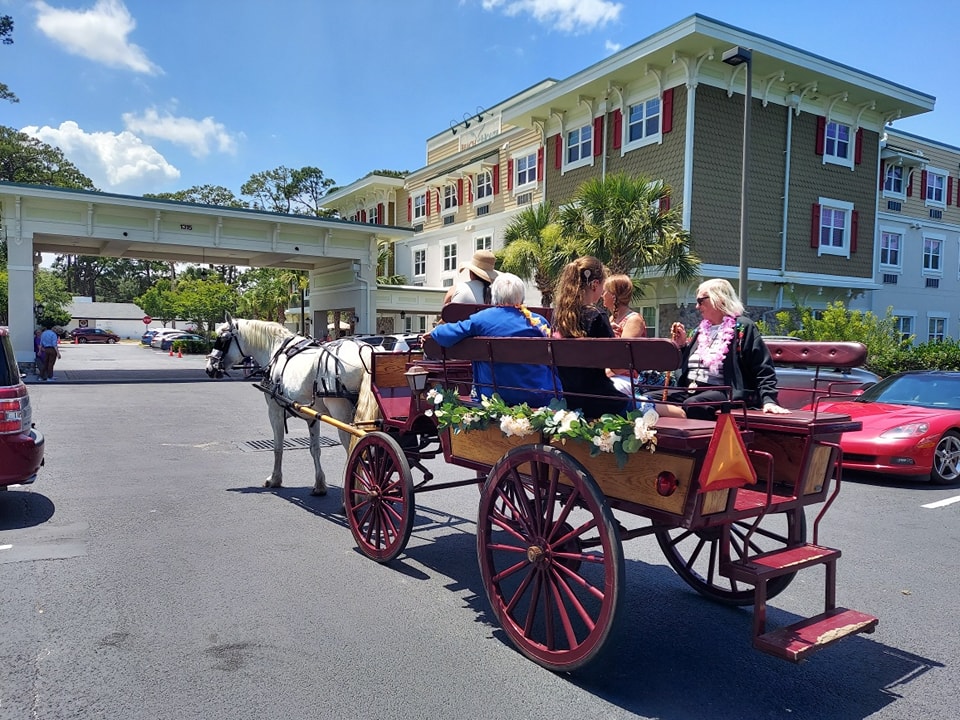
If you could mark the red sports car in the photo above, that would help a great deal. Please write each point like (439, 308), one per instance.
(911, 426)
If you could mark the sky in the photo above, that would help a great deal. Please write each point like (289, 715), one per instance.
(148, 96)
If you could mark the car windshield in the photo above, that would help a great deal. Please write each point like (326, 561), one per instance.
(932, 390)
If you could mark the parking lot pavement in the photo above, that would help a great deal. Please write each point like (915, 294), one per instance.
(125, 362)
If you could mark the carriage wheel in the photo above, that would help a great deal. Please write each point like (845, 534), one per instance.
(378, 496)
(695, 554)
(550, 555)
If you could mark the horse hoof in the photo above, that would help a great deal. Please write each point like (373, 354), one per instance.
(322, 491)
(271, 484)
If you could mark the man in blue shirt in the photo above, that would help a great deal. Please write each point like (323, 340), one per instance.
(49, 346)
(509, 319)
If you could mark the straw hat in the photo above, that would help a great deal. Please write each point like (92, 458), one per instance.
(482, 265)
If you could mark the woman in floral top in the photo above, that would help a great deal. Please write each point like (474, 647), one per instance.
(725, 350)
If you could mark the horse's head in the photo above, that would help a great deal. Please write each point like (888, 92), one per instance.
(228, 352)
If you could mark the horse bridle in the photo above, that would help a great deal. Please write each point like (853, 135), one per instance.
(247, 363)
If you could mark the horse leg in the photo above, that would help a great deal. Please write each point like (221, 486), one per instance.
(276, 413)
(320, 480)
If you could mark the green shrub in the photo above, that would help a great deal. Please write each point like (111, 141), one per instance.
(192, 347)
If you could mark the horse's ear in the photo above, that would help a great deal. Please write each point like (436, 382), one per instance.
(228, 319)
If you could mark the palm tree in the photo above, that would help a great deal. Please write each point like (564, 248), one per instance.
(619, 220)
(385, 261)
(534, 248)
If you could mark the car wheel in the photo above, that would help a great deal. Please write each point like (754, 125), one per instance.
(946, 459)
(82, 340)
(111, 341)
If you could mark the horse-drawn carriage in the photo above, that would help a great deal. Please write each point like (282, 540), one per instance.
(725, 499)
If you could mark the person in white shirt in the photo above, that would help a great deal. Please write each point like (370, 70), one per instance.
(475, 288)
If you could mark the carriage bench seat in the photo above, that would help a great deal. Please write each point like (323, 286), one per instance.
(389, 384)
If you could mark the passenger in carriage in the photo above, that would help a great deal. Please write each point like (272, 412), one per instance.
(475, 283)
(576, 314)
(535, 385)
(725, 350)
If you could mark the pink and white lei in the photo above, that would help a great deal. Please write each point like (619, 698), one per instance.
(712, 352)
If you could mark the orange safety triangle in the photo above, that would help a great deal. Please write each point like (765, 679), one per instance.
(727, 464)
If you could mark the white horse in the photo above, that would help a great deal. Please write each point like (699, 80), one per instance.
(327, 377)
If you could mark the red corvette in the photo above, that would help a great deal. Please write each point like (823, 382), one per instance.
(911, 426)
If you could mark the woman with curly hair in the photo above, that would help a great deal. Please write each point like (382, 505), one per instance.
(575, 314)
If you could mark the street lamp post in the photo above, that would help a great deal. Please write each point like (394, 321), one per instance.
(738, 56)
(38, 309)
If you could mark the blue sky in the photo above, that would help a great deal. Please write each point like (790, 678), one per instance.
(160, 95)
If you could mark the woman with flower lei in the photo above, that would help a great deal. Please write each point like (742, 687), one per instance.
(535, 385)
(726, 349)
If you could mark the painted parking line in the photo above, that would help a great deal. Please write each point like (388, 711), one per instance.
(5, 547)
(942, 503)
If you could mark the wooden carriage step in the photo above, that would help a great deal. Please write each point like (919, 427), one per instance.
(779, 562)
(796, 641)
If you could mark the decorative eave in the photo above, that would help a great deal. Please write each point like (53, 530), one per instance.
(689, 53)
(355, 194)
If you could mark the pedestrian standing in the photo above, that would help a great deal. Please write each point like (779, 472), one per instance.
(49, 346)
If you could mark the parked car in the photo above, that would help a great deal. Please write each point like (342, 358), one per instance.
(21, 445)
(147, 336)
(94, 335)
(800, 386)
(167, 340)
(911, 426)
(161, 333)
(392, 343)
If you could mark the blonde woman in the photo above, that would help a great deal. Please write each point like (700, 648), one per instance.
(725, 350)
(575, 314)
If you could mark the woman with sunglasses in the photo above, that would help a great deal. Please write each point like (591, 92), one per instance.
(725, 350)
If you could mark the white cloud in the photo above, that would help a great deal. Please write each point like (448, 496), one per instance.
(98, 34)
(119, 162)
(611, 46)
(197, 135)
(565, 15)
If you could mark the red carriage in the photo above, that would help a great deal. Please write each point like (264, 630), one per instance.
(725, 500)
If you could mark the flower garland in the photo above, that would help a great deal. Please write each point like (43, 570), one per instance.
(534, 322)
(712, 352)
(610, 433)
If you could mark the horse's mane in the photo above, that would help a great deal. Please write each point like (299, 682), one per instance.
(261, 333)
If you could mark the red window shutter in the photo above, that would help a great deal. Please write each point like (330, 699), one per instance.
(363, 216)
(438, 202)
(858, 147)
(883, 174)
(854, 230)
(558, 151)
(923, 185)
(815, 227)
(664, 204)
(598, 135)
(428, 203)
(667, 108)
(380, 214)
(460, 191)
(496, 179)
(540, 164)
(473, 179)
(821, 134)
(409, 209)
(950, 190)
(617, 129)
(509, 175)
(910, 184)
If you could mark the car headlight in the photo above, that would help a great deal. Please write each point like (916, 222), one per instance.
(906, 431)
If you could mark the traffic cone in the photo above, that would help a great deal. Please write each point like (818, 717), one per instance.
(171, 351)
(179, 353)
(76, 340)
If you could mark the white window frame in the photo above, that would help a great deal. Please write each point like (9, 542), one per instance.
(420, 211)
(941, 242)
(835, 206)
(451, 203)
(449, 254)
(418, 256)
(933, 172)
(888, 231)
(833, 158)
(889, 178)
(911, 320)
(530, 158)
(373, 217)
(581, 161)
(483, 186)
(483, 242)
(935, 317)
(626, 144)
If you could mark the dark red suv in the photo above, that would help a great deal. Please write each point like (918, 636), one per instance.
(21, 445)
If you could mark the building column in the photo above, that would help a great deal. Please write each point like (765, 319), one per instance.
(20, 270)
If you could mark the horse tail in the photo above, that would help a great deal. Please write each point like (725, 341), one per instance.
(367, 409)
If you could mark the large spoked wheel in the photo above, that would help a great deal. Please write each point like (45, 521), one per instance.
(946, 459)
(378, 496)
(550, 556)
(695, 554)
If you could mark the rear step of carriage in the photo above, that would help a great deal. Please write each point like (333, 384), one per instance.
(797, 641)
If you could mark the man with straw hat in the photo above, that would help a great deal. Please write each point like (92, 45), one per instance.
(475, 279)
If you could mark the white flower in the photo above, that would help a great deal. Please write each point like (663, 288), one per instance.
(484, 401)
(642, 431)
(428, 413)
(469, 419)
(564, 419)
(605, 441)
(515, 426)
